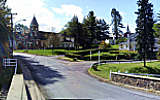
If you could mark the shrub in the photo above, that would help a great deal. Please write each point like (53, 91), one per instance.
(123, 39)
(127, 54)
(138, 70)
(72, 55)
(104, 45)
(158, 54)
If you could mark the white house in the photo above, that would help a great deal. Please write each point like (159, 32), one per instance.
(130, 44)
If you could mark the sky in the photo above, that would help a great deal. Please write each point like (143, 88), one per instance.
(52, 15)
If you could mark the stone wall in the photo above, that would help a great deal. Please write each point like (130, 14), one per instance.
(136, 80)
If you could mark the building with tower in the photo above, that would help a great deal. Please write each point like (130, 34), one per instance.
(131, 43)
(39, 39)
(35, 39)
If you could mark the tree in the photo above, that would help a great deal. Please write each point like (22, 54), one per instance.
(156, 26)
(4, 29)
(116, 22)
(75, 29)
(102, 30)
(145, 38)
(4, 19)
(90, 29)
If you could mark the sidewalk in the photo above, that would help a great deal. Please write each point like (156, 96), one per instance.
(17, 89)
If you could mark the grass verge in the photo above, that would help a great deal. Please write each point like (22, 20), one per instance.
(104, 70)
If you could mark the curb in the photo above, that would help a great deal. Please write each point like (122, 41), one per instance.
(98, 77)
(123, 85)
(32, 89)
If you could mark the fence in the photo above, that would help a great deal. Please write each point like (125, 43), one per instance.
(7, 62)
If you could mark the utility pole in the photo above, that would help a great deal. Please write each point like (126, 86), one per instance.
(12, 33)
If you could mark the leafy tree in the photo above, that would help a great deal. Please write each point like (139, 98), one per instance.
(20, 28)
(4, 19)
(102, 30)
(145, 38)
(116, 22)
(53, 40)
(4, 29)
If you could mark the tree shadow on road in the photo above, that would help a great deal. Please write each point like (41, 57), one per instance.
(43, 75)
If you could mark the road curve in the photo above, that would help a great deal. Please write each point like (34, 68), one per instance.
(68, 80)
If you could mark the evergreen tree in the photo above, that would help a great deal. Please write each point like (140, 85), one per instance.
(116, 22)
(75, 30)
(102, 30)
(145, 38)
(90, 28)
(156, 26)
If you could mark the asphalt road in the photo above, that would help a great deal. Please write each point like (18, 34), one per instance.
(68, 80)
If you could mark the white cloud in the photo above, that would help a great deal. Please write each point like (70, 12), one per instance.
(69, 11)
(122, 14)
(27, 8)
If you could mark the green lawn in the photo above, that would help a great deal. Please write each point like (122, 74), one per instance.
(103, 70)
(112, 53)
(47, 52)
(115, 46)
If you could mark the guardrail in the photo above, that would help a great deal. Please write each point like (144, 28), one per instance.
(153, 75)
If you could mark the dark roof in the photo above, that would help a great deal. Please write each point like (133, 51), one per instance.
(43, 32)
(66, 40)
(34, 22)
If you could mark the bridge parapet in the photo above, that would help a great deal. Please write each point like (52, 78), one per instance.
(17, 89)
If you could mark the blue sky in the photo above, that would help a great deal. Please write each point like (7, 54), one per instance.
(54, 14)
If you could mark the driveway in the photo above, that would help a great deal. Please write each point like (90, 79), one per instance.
(69, 80)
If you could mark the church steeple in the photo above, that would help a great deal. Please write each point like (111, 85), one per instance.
(34, 27)
(128, 30)
(34, 22)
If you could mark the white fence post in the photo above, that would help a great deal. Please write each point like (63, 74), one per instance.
(90, 55)
(15, 67)
(110, 75)
(99, 58)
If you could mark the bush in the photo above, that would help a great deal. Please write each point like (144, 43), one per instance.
(125, 54)
(158, 54)
(104, 45)
(72, 55)
(123, 39)
(75, 59)
(138, 70)
(86, 52)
